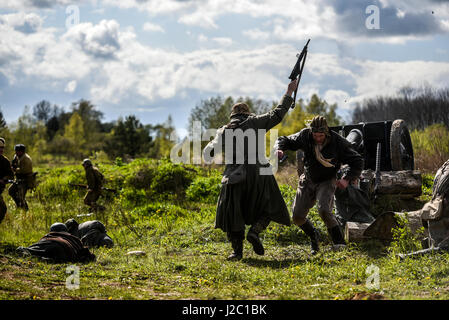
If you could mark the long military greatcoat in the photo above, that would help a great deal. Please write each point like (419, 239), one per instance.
(246, 195)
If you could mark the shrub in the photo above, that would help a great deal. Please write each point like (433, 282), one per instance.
(431, 147)
(404, 240)
(205, 189)
(172, 178)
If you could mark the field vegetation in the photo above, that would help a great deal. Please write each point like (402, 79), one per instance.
(167, 210)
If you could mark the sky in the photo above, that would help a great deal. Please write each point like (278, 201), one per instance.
(155, 58)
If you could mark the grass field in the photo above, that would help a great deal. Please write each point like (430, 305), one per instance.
(168, 212)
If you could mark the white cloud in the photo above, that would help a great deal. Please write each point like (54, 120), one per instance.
(256, 34)
(101, 40)
(70, 87)
(202, 38)
(111, 61)
(40, 4)
(23, 22)
(151, 27)
(386, 78)
(340, 97)
(223, 41)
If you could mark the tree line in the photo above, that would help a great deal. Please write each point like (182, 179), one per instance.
(50, 131)
(419, 107)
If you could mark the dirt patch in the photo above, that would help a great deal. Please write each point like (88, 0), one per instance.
(367, 296)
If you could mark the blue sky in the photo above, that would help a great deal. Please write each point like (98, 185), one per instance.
(155, 58)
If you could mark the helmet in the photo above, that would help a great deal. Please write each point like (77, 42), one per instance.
(239, 108)
(319, 124)
(71, 225)
(87, 163)
(19, 147)
(58, 227)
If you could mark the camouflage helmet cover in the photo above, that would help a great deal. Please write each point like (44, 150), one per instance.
(319, 124)
(239, 108)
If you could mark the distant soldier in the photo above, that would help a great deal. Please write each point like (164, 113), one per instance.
(94, 184)
(6, 174)
(22, 166)
(92, 233)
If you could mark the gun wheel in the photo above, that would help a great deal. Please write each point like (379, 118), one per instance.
(401, 150)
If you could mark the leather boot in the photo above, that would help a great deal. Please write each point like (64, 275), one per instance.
(312, 233)
(236, 239)
(253, 235)
(337, 237)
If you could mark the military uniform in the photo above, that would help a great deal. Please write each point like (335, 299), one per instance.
(92, 233)
(59, 247)
(23, 169)
(248, 197)
(94, 183)
(318, 182)
(6, 173)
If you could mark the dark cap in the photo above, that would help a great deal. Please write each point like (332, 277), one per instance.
(19, 147)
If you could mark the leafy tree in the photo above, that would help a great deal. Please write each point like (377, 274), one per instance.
(75, 135)
(162, 144)
(29, 132)
(42, 111)
(419, 107)
(214, 112)
(320, 107)
(2, 122)
(129, 137)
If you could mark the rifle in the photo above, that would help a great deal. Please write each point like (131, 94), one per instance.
(377, 179)
(84, 186)
(17, 181)
(298, 68)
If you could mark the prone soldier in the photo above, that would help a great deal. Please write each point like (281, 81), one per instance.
(59, 246)
(92, 233)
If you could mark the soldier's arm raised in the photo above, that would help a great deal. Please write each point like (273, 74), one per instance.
(275, 116)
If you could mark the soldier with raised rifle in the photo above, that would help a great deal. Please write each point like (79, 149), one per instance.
(248, 197)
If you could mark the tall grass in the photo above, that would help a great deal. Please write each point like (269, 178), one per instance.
(431, 147)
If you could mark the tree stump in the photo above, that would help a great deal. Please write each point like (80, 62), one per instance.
(406, 182)
(354, 231)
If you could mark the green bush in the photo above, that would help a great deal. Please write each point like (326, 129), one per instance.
(205, 189)
(163, 210)
(172, 178)
(404, 240)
